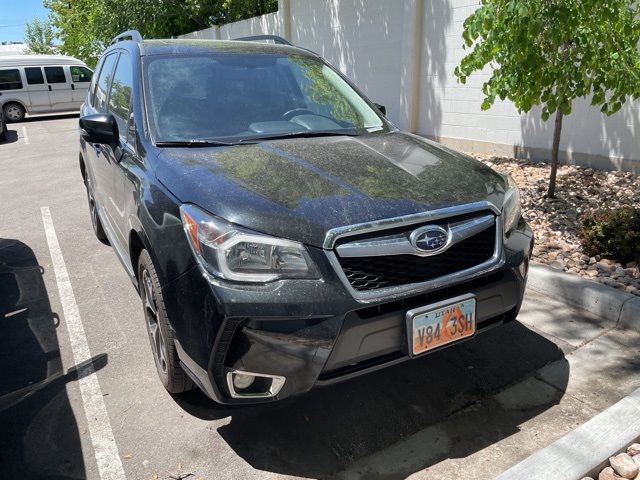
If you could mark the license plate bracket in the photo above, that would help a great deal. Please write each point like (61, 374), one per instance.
(440, 324)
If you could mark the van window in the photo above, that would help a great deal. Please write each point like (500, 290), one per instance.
(100, 98)
(55, 75)
(34, 75)
(80, 74)
(120, 94)
(10, 79)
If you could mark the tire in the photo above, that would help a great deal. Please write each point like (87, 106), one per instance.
(161, 336)
(13, 112)
(98, 230)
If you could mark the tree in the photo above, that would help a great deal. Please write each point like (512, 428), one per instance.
(87, 26)
(550, 52)
(39, 35)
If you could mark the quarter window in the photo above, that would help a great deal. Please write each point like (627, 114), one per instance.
(100, 98)
(55, 75)
(120, 94)
(10, 79)
(34, 75)
(80, 74)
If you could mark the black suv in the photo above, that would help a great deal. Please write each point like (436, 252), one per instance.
(280, 231)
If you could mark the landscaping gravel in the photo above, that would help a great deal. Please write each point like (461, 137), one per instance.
(556, 221)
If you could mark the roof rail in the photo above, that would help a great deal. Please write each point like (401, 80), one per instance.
(128, 35)
(257, 38)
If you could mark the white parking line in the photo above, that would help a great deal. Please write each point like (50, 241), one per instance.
(24, 135)
(104, 444)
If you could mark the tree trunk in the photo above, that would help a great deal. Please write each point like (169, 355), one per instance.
(557, 131)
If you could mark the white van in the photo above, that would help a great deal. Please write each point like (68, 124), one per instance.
(41, 84)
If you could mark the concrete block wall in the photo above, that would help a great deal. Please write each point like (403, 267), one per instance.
(402, 54)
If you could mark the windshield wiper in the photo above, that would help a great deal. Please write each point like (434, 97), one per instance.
(304, 134)
(193, 143)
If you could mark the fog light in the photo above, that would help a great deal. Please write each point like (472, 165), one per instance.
(258, 385)
(242, 381)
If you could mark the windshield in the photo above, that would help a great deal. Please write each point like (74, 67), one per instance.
(234, 97)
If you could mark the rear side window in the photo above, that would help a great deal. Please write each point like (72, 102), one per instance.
(55, 75)
(10, 79)
(80, 74)
(34, 75)
(120, 94)
(100, 97)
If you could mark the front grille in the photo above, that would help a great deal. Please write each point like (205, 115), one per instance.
(371, 273)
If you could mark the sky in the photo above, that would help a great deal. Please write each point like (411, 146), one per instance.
(14, 14)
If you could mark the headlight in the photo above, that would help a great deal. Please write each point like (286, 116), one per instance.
(233, 253)
(511, 210)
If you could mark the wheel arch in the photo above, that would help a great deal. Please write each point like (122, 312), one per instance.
(138, 241)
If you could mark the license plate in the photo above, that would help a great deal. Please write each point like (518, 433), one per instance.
(442, 323)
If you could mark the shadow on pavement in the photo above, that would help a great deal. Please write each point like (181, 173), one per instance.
(326, 430)
(57, 116)
(40, 437)
(11, 137)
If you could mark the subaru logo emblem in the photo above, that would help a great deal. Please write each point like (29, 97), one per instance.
(429, 239)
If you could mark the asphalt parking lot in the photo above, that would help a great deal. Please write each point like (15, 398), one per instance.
(469, 411)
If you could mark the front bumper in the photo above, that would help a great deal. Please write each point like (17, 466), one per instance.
(313, 332)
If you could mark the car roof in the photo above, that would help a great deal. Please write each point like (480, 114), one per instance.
(197, 46)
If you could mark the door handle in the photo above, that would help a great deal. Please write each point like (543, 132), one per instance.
(73, 87)
(49, 87)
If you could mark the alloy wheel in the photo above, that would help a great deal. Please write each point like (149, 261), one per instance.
(151, 316)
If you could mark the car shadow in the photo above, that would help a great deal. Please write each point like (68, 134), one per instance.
(11, 137)
(328, 429)
(40, 437)
(55, 116)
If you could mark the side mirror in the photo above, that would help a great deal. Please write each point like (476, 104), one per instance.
(99, 128)
(382, 108)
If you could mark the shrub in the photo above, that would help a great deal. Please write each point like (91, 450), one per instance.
(612, 233)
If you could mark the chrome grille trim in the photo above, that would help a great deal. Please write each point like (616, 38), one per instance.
(400, 244)
(388, 223)
(392, 293)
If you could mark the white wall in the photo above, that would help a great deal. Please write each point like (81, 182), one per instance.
(402, 54)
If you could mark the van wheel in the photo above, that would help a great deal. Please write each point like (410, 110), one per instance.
(161, 336)
(13, 112)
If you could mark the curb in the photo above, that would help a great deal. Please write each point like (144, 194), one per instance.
(584, 450)
(601, 300)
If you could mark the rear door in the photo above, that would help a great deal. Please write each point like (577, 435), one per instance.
(120, 157)
(59, 85)
(37, 88)
(80, 81)
(100, 169)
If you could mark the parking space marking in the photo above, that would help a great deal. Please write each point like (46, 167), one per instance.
(24, 135)
(104, 445)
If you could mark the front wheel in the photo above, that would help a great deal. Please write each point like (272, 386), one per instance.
(13, 112)
(161, 336)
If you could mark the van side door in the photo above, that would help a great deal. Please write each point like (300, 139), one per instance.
(60, 89)
(80, 81)
(37, 89)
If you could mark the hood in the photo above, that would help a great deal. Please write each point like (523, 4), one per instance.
(300, 188)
